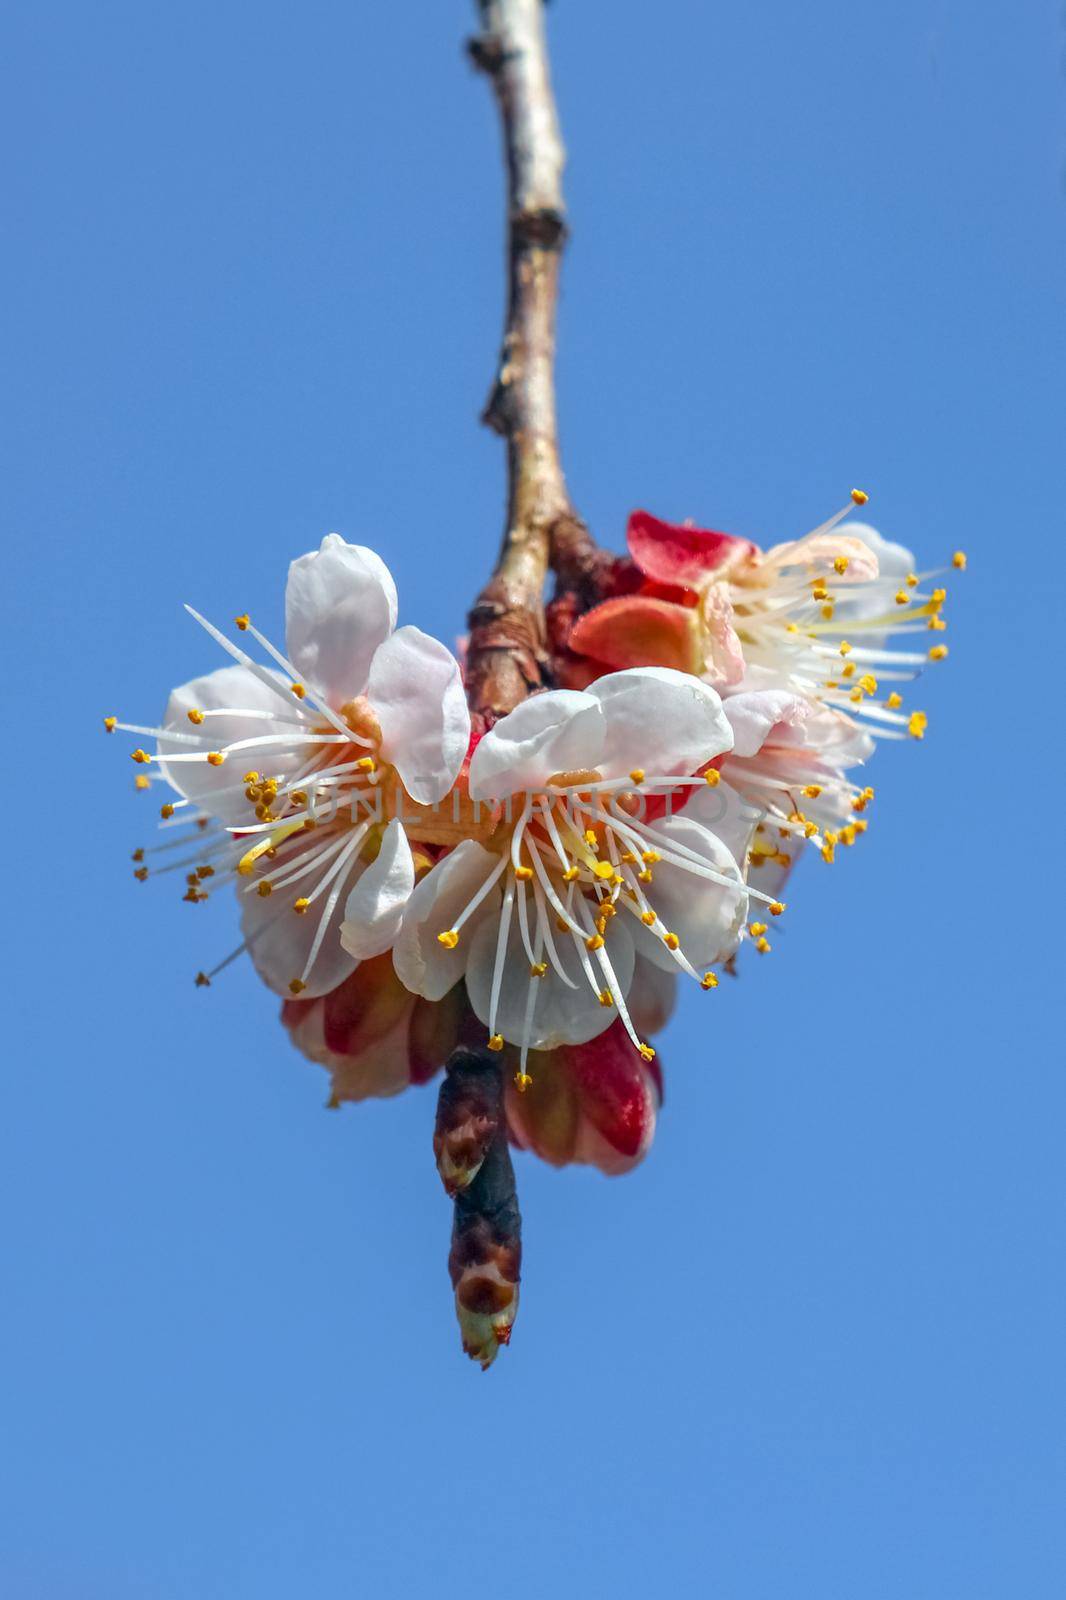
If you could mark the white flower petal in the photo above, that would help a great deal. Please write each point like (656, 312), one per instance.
(561, 1015)
(724, 812)
(237, 688)
(560, 731)
(753, 715)
(670, 723)
(374, 908)
(893, 560)
(280, 939)
(421, 961)
(340, 605)
(706, 917)
(416, 691)
(652, 997)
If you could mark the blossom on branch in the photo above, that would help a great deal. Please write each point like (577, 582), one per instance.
(290, 777)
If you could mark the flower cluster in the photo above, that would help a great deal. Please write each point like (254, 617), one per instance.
(411, 879)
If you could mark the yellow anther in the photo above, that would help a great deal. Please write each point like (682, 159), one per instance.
(141, 782)
(712, 777)
(828, 612)
(938, 652)
(757, 929)
(869, 682)
(763, 946)
(140, 874)
(215, 758)
(263, 813)
(646, 876)
(902, 597)
(867, 793)
(590, 837)
(141, 757)
(671, 941)
(298, 690)
(523, 874)
(522, 1080)
(562, 924)
(831, 683)
(570, 874)
(604, 869)
(776, 907)
(538, 969)
(166, 811)
(813, 790)
(110, 724)
(496, 1042)
(938, 597)
(958, 560)
(366, 764)
(792, 627)
(301, 905)
(194, 716)
(648, 918)
(637, 775)
(859, 496)
(894, 701)
(297, 986)
(265, 888)
(848, 833)
(449, 938)
(819, 591)
(650, 857)
(917, 725)
(937, 624)
(594, 941)
(840, 565)
(243, 621)
(911, 580)
(251, 777)
(299, 797)
(308, 823)
(203, 981)
(605, 997)
(861, 825)
(606, 909)
(856, 695)
(709, 981)
(647, 1052)
(848, 670)
(845, 648)
(809, 830)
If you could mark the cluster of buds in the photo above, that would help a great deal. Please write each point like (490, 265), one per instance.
(520, 898)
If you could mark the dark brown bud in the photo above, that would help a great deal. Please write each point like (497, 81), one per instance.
(486, 1255)
(468, 1116)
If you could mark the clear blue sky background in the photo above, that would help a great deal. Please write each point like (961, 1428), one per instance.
(814, 1347)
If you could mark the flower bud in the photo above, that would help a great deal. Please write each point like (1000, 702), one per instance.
(468, 1117)
(486, 1255)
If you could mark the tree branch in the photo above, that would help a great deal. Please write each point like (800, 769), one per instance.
(506, 657)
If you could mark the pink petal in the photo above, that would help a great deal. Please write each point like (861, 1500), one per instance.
(671, 553)
(636, 631)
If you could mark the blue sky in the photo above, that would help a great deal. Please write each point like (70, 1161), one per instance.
(814, 1346)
